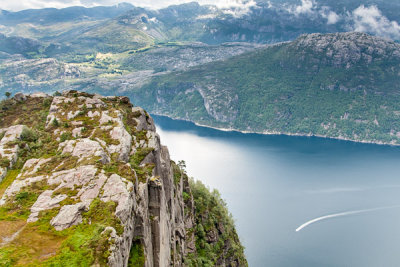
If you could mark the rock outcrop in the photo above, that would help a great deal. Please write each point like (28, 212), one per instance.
(103, 168)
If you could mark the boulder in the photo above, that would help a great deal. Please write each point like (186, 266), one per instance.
(20, 97)
(68, 216)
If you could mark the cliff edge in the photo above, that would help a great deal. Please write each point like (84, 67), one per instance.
(85, 181)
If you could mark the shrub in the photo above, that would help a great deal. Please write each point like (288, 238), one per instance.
(4, 162)
(29, 135)
(55, 123)
(65, 136)
(46, 102)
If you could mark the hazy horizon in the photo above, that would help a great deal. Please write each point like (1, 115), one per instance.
(154, 4)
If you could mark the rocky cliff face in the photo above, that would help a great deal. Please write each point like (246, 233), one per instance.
(343, 49)
(86, 181)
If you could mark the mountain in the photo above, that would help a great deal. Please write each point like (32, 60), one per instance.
(48, 16)
(19, 45)
(342, 85)
(85, 181)
(124, 27)
(119, 72)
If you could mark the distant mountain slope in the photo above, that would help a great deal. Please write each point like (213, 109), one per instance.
(125, 27)
(19, 45)
(111, 72)
(53, 15)
(344, 85)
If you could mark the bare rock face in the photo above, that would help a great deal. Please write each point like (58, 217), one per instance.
(45, 202)
(346, 49)
(8, 150)
(85, 148)
(125, 139)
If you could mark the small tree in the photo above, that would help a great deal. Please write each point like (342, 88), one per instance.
(55, 122)
(182, 165)
(8, 94)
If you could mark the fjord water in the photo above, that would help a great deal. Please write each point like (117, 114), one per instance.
(274, 184)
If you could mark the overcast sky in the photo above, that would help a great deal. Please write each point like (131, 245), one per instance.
(15, 5)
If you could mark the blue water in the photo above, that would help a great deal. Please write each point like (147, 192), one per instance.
(274, 184)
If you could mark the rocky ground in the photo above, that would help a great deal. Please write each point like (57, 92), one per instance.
(85, 180)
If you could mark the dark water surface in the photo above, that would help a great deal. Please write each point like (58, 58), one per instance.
(274, 184)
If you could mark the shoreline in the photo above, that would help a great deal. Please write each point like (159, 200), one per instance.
(280, 133)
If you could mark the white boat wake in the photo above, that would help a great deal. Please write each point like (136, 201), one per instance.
(304, 225)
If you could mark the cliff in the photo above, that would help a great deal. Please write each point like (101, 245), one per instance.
(85, 181)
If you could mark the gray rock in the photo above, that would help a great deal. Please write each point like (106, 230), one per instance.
(125, 142)
(17, 185)
(39, 95)
(94, 102)
(84, 148)
(93, 114)
(45, 202)
(92, 189)
(20, 97)
(118, 189)
(11, 134)
(72, 114)
(68, 216)
(77, 132)
(79, 176)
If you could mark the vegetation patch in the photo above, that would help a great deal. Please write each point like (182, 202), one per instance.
(120, 168)
(136, 256)
(39, 244)
(212, 216)
(30, 112)
(105, 136)
(142, 171)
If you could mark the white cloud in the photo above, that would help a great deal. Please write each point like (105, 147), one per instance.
(329, 15)
(371, 20)
(33, 4)
(236, 8)
(311, 8)
(306, 7)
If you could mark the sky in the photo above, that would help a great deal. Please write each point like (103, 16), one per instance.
(365, 18)
(28, 4)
